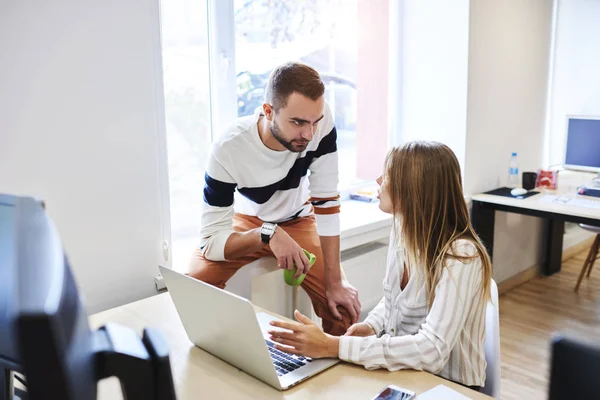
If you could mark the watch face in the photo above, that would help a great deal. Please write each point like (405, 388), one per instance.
(268, 229)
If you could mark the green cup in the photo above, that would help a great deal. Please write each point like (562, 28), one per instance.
(288, 275)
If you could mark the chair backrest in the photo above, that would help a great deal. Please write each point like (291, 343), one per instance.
(492, 345)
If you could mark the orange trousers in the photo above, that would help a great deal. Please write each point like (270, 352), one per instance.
(304, 232)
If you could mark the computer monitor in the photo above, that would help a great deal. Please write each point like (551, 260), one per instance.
(8, 346)
(44, 331)
(575, 369)
(582, 150)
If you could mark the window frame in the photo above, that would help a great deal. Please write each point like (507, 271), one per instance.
(223, 96)
(223, 86)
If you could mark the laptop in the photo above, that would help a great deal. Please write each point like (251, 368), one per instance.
(228, 327)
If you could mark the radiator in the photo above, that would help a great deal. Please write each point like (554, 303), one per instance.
(364, 267)
(262, 282)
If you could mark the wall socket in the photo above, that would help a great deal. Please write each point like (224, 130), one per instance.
(159, 282)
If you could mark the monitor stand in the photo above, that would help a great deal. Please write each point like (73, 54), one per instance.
(7, 389)
(141, 364)
(596, 181)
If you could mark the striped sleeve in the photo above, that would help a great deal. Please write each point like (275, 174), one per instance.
(429, 349)
(217, 212)
(323, 181)
(376, 318)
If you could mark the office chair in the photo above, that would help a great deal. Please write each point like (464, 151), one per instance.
(492, 345)
(592, 256)
(574, 370)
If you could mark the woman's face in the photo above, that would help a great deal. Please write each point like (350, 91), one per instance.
(385, 201)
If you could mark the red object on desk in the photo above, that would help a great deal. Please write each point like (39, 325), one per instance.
(546, 179)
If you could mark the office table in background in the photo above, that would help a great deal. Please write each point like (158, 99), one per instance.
(555, 215)
(199, 375)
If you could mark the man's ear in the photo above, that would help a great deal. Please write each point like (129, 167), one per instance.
(268, 111)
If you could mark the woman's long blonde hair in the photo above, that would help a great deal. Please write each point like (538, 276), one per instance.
(424, 183)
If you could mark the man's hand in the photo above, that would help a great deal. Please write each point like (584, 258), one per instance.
(345, 295)
(304, 338)
(361, 329)
(288, 252)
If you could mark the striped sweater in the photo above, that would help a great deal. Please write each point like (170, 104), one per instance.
(244, 176)
(447, 340)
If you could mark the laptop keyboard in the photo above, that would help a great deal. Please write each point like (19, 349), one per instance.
(284, 362)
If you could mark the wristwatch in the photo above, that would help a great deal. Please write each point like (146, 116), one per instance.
(267, 231)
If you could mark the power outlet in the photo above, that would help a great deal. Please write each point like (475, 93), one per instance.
(159, 282)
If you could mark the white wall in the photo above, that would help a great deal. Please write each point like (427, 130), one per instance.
(80, 114)
(575, 84)
(509, 51)
(434, 47)
(474, 75)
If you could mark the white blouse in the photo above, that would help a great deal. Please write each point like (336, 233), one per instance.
(447, 341)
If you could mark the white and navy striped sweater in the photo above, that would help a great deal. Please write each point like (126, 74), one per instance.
(244, 176)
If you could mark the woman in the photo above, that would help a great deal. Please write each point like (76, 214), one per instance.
(437, 284)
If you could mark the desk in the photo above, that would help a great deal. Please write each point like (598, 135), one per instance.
(486, 205)
(199, 375)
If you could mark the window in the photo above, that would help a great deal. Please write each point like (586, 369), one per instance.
(321, 34)
(187, 113)
(217, 57)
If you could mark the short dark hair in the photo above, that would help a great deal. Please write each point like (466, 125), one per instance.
(293, 77)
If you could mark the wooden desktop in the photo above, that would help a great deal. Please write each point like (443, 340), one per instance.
(199, 375)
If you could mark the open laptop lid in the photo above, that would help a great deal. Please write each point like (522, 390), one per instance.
(222, 324)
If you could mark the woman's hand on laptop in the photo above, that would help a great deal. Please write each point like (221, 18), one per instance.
(304, 338)
(288, 252)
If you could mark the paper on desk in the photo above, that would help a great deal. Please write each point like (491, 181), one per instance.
(441, 392)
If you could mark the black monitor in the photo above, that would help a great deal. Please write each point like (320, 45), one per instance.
(9, 359)
(575, 369)
(44, 330)
(582, 150)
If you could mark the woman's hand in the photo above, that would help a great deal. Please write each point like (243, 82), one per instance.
(360, 329)
(304, 338)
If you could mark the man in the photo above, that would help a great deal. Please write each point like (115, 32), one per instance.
(283, 161)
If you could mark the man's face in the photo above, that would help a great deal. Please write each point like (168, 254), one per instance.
(295, 124)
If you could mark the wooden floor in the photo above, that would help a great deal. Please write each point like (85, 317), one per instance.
(530, 313)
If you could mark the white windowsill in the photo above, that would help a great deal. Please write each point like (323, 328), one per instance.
(362, 223)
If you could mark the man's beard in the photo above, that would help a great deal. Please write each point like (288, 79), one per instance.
(294, 146)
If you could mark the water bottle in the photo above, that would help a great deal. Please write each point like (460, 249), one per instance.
(513, 171)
